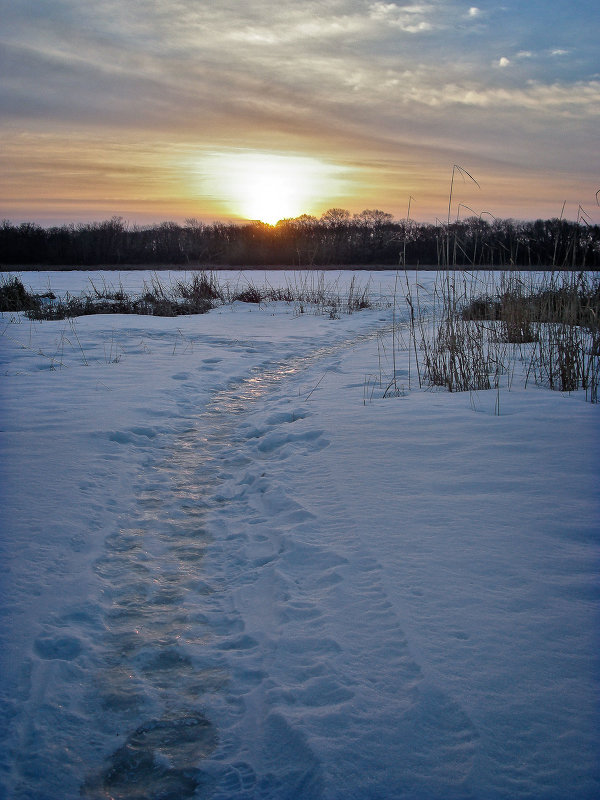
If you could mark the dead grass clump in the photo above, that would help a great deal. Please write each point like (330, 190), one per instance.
(567, 358)
(358, 298)
(202, 287)
(15, 297)
(550, 321)
(457, 357)
(250, 295)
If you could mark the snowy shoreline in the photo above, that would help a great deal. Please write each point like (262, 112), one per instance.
(227, 571)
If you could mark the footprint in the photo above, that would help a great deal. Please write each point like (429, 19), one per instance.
(157, 761)
(239, 777)
(65, 648)
(277, 439)
(289, 758)
(287, 416)
(149, 433)
(133, 436)
(318, 692)
(444, 740)
(300, 611)
(165, 659)
(459, 635)
(244, 642)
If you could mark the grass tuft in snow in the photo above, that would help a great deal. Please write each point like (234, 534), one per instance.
(14, 296)
(475, 327)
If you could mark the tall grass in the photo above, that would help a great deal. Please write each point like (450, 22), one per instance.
(480, 324)
(449, 350)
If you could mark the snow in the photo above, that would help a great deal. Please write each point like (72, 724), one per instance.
(231, 569)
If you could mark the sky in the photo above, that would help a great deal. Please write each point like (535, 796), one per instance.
(169, 110)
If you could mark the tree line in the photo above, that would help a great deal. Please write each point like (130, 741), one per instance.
(337, 238)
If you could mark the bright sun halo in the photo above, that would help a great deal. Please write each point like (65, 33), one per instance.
(269, 187)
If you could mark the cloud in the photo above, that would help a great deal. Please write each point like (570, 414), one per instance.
(405, 18)
(567, 100)
(503, 62)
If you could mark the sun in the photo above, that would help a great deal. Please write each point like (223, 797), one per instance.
(265, 187)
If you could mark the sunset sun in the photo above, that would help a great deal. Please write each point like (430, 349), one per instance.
(265, 187)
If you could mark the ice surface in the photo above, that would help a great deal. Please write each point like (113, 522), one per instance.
(229, 572)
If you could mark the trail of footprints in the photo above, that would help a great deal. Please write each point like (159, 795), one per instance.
(262, 624)
(157, 671)
(171, 637)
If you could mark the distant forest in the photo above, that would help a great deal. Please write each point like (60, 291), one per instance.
(337, 238)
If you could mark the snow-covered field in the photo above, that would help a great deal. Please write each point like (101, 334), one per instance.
(231, 569)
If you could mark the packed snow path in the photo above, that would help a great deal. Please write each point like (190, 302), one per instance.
(251, 642)
(229, 578)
